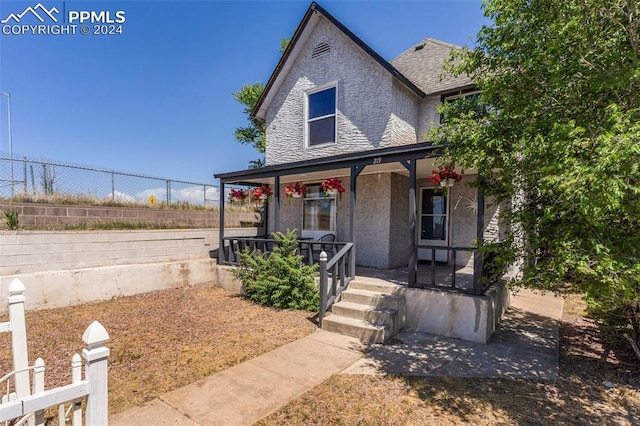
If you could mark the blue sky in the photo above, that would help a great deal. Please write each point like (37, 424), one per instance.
(156, 100)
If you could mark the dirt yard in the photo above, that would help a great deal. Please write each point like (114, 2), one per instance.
(167, 339)
(159, 341)
(599, 384)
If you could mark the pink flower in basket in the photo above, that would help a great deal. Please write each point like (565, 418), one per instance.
(332, 186)
(296, 190)
(444, 176)
(237, 195)
(262, 192)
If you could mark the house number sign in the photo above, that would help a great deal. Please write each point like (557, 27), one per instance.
(377, 160)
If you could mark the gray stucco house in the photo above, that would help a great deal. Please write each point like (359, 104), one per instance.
(334, 108)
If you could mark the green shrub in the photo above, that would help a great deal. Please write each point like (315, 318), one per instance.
(497, 259)
(279, 278)
(11, 219)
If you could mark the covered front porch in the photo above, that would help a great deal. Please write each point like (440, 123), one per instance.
(382, 213)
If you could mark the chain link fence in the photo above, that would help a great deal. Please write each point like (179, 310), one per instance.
(42, 180)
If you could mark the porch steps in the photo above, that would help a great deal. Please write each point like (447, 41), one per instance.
(369, 310)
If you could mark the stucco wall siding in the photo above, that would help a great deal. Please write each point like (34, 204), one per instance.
(399, 221)
(404, 116)
(427, 116)
(382, 211)
(372, 112)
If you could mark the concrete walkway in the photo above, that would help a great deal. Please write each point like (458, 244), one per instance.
(525, 346)
(247, 392)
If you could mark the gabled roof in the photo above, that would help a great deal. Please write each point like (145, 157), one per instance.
(422, 64)
(306, 26)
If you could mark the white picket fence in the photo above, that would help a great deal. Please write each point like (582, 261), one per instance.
(26, 404)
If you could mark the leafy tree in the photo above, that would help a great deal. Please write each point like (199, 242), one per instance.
(559, 117)
(281, 279)
(254, 133)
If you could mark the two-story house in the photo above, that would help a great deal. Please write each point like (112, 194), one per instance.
(334, 108)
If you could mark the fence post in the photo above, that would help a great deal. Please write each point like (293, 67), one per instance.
(113, 186)
(19, 337)
(76, 377)
(95, 370)
(38, 386)
(24, 167)
(168, 192)
(323, 287)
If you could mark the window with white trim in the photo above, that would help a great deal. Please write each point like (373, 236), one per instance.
(321, 116)
(318, 212)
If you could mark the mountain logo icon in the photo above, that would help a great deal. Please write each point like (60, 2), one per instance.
(38, 11)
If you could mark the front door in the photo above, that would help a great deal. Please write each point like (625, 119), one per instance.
(434, 224)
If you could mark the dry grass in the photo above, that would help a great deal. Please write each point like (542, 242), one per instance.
(159, 341)
(578, 397)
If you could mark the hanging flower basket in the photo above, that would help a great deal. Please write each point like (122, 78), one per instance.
(262, 192)
(445, 176)
(238, 196)
(295, 190)
(332, 186)
(449, 182)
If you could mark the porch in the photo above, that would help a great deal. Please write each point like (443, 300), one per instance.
(383, 187)
(426, 266)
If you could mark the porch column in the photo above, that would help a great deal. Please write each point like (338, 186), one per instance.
(478, 263)
(413, 253)
(276, 203)
(355, 171)
(221, 226)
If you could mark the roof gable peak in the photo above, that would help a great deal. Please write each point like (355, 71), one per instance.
(306, 26)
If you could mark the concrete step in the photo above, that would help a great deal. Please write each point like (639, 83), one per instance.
(377, 316)
(371, 298)
(362, 330)
(374, 284)
(391, 318)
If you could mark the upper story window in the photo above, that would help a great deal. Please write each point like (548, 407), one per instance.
(320, 114)
(463, 102)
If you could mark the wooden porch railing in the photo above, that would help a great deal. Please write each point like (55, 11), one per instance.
(335, 275)
(431, 280)
(309, 249)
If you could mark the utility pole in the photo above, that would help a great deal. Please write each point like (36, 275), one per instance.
(8, 95)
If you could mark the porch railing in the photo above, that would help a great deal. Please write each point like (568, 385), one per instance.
(309, 249)
(460, 281)
(335, 275)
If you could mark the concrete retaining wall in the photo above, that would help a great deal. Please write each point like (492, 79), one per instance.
(63, 268)
(445, 313)
(38, 251)
(34, 214)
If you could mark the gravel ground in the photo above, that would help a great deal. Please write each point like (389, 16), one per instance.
(160, 340)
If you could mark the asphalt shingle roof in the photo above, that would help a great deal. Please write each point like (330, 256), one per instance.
(422, 65)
